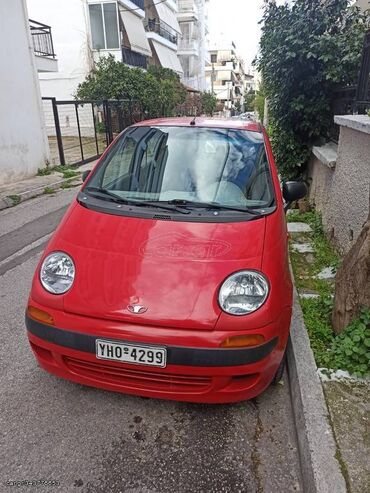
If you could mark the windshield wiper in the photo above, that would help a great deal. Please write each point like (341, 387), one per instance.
(113, 197)
(214, 205)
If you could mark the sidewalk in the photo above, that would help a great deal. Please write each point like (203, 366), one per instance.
(12, 194)
(347, 398)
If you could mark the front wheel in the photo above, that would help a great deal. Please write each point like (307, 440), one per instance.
(280, 371)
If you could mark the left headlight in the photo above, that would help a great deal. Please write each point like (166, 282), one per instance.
(243, 292)
(57, 273)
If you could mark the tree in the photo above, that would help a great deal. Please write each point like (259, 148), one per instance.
(237, 106)
(307, 50)
(260, 102)
(352, 284)
(209, 103)
(158, 90)
(250, 100)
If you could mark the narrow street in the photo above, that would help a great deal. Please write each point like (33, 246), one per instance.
(92, 440)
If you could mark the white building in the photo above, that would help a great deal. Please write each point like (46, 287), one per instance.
(136, 32)
(25, 48)
(192, 47)
(227, 78)
(163, 32)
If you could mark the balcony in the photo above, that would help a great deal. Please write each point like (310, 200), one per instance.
(187, 11)
(188, 47)
(134, 59)
(161, 28)
(43, 48)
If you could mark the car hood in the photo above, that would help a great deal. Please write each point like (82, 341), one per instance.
(172, 269)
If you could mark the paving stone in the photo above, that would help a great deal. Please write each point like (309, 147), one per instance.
(303, 247)
(326, 274)
(308, 294)
(299, 228)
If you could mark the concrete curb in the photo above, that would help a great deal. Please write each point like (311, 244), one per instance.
(7, 202)
(321, 471)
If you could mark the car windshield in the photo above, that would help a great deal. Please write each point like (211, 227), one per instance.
(190, 164)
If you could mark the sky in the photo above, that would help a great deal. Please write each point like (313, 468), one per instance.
(236, 20)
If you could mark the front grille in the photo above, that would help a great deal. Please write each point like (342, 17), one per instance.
(139, 379)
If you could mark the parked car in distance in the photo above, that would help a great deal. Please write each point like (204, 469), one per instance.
(248, 115)
(168, 276)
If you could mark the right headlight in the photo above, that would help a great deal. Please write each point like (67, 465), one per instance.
(243, 292)
(57, 273)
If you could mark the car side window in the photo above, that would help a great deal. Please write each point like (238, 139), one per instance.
(148, 162)
(259, 185)
(120, 163)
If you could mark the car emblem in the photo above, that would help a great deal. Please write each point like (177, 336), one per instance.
(137, 309)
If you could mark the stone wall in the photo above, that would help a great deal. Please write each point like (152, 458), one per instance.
(340, 187)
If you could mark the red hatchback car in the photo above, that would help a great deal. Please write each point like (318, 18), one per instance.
(168, 276)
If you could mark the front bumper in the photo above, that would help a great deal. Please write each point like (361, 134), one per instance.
(193, 373)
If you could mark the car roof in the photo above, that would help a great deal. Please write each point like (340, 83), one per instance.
(203, 122)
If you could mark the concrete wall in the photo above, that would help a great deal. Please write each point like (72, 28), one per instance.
(23, 141)
(342, 193)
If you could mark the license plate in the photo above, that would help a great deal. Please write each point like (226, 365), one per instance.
(130, 353)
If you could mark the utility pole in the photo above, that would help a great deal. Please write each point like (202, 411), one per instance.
(228, 94)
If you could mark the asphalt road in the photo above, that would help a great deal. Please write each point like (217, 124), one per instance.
(95, 441)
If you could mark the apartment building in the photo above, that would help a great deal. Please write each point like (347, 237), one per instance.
(163, 31)
(26, 49)
(192, 49)
(226, 77)
(135, 32)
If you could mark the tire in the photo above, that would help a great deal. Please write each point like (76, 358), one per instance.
(279, 372)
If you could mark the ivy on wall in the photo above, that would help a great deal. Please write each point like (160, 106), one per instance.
(307, 50)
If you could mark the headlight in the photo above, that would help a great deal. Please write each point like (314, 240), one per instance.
(243, 292)
(57, 273)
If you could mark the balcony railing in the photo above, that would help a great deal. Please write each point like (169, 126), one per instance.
(41, 39)
(139, 3)
(187, 6)
(134, 59)
(188, 45)
(161, 28)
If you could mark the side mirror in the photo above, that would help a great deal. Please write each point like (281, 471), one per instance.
(294, 190)
(85, 174)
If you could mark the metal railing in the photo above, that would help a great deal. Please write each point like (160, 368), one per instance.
(353, 99)
(187, 6)
(363, 84)
(161, 28)
(134, 59)
(186, 44)
(42, 39)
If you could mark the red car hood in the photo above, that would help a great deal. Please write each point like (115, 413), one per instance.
(173, 269)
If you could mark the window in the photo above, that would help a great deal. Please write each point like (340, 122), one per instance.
(104, 26)
(213, 58)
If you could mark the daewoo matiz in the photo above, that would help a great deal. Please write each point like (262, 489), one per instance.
(168, 276)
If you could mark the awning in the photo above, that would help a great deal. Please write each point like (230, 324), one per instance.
(135, 31)
(167, 57)
(168, 16)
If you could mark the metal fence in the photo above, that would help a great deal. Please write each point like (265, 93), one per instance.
(79, 131)
(353, 99)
